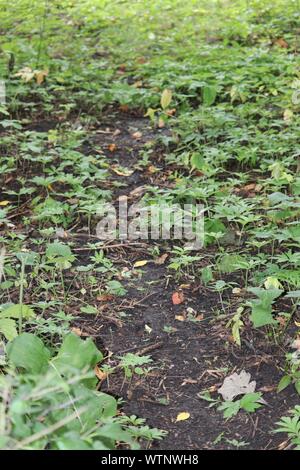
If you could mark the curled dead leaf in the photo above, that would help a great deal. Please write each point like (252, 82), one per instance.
(100, 374)
(161, 259)
(177, 298)
(112, 147)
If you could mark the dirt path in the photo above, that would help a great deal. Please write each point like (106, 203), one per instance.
(189, 344)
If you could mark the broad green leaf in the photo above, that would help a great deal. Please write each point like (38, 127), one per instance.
(284, 382)
(77, 353)
(230, 263)
(8, 328)
(27, 257)
(166, 98)
(249, 402)
(209, 95)
(28, 351)
(261, 316)
(230, 408)
(15, 311)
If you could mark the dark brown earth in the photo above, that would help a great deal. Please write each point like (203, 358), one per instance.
(196, 355)
(191, 353)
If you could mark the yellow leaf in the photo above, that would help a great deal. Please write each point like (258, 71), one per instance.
(180, 318)
(4, 203)
(272, 283)
(165, 99)
(139, 264)
(25, 74)
(288, 115)
(121, 171)
(183, 416)
(40, 76)
(99, 374)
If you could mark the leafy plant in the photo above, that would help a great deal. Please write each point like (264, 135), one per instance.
(250, 402)
(290, 425)
(52, 402)
(261, 314)
(131, 364)
(292, 375)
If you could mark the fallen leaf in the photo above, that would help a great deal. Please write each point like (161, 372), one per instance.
(183, 416)
(199, 317)
(237, 384)
(40, 76)
(124, 108)
(152, 169)
(171, 112)
(4, 203)
(76, 331)
(180, 317)
(161, 259)
(185, 286)
(99, 374)
(281, 43)
(141, 263)
(112, 147)
(26, 74)
(121, 171)
(177, 298)
(105, 297)
(137, 135)
(236, 290)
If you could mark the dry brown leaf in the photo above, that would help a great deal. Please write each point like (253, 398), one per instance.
(99, 374)
(161, 259)
(171, 112)
(112, 147)
(40, 76)
(76, 331)
(105, 297)
(177, 298)
(124, 108)
(137, 135)
(281, 43)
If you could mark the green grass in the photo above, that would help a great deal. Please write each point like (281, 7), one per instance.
(232, 144)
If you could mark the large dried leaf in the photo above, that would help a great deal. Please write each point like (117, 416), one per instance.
(237, 384)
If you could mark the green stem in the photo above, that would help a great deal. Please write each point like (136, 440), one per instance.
(21, 296)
